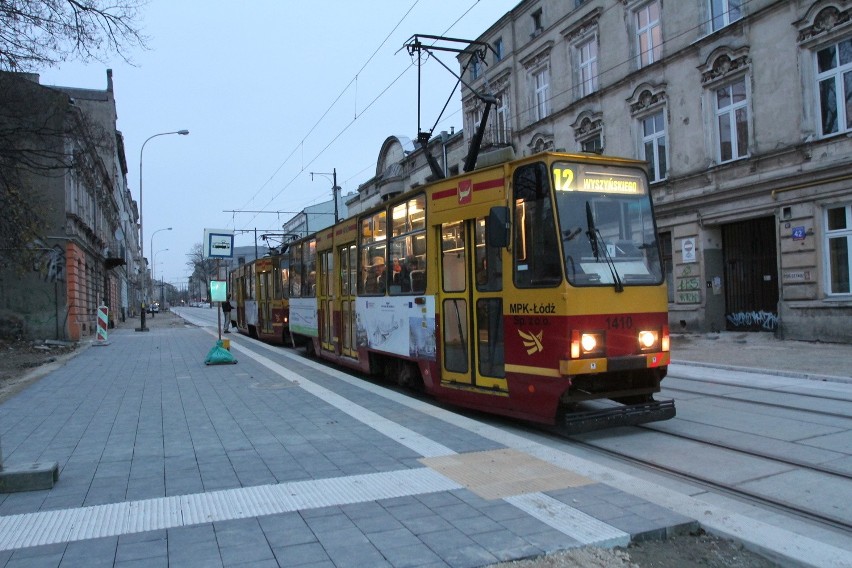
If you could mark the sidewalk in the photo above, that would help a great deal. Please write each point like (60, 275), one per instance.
(279, 460)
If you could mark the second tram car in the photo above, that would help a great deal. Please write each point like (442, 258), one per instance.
(259, 293)
(522, 289)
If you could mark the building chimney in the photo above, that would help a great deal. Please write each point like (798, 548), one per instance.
(109, 80)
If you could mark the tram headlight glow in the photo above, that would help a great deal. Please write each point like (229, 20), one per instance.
(648, 339)
(588, 342)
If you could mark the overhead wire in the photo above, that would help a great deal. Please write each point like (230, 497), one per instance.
(332, 105)
(372, 102)
(352, 81)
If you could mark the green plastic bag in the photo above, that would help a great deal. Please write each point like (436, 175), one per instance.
(219, 356)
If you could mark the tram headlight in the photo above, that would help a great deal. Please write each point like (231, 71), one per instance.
(586, 343)
(648, 339)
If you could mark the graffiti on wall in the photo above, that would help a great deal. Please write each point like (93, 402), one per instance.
(688, 286)
(50, 262)
(754, 320)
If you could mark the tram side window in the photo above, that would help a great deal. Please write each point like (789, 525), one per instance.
(285, 278)
(373, 254)
(406, 266)
(309, 275)
(536, 257)
(296, 271)
(326, 270)
(453, 258)
(489, 264)
(348, 270)
(344, 272)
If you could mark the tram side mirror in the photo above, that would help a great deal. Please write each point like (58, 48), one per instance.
(497, 227)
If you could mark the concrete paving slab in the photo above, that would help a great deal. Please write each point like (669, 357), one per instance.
(296, 460)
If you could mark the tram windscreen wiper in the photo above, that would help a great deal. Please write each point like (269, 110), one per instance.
(591, 231)
(571, 233)
(598, 244)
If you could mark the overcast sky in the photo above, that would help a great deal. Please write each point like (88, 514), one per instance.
(255, 83)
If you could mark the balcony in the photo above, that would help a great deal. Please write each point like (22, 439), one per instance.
(114, 254)
(496, 137)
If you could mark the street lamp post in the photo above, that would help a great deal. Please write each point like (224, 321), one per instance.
(141, 233)
(153, 264)
(154, 267)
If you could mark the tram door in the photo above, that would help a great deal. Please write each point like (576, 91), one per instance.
(265, 296)
(325, 300)
(347, 286)
(472, 306)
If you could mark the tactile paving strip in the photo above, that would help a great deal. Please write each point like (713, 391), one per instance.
(49, 527)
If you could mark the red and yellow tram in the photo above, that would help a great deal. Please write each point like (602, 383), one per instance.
(259, 294)
(521, 289)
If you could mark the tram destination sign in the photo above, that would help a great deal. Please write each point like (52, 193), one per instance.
(607, 180)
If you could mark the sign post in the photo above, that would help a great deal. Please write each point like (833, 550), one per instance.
(218, 244)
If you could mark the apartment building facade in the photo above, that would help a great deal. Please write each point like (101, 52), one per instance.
(741, 110)
(88, 251)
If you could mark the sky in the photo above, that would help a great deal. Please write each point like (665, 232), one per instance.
(270, 91)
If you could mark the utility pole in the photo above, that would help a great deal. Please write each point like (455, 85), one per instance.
(334, 189)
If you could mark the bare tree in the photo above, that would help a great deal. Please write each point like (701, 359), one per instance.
(35, 34)
(39, 139)
(203, 269)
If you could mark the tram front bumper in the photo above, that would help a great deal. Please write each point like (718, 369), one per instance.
(574, 367)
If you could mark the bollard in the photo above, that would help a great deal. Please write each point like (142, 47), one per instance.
(103, 322)
(29, 477)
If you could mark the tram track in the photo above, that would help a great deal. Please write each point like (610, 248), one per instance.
(768, 404)
(753, 497)
(800, 396)
(786, 389)
(753, 453)
(823, 519)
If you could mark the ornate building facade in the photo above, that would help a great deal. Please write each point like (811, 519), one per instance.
(741, 111)
(90, 239)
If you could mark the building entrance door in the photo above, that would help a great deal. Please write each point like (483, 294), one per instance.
(751, 275)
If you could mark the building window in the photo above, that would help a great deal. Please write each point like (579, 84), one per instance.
(541, 92)
(654, 145)
(536, 23)
(649, 33)
(593, 144)
(732, 120)
(838, 235)
(501, 123)
(588, 132)
(475, 68)
(834, 81)
(587, 55)
(498, 49)
(724, 12)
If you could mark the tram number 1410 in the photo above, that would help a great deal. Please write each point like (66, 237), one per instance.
(621, 322)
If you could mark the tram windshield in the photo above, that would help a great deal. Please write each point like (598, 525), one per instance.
(607, 225)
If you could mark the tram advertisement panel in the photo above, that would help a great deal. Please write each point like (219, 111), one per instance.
(303, 316)
(397, 325)
(251, 312)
